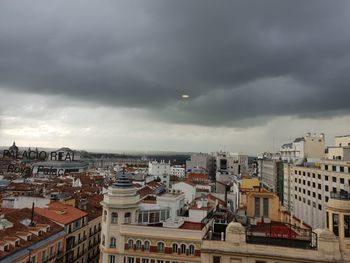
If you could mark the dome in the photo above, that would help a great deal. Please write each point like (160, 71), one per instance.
(13, 148)
(123, 181)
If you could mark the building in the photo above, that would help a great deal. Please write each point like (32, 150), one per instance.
(311, 185)
(26, 236)
(227, 164)
(201, 161)
(255, 246)
(338, 220)
(148, 230)
(82, 232)
(161, 170)
(270, 172)
(310, 146)
(178, 171)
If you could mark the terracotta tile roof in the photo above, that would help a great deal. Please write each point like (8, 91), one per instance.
(17, 217)
(61, 213)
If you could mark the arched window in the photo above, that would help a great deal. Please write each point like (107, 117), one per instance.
(146, 245)
(183, 248)
(114, 218)
(113, 242)
(130, 243)
(104, 215)
(160, 247)
(138, 244)
(192, 249)
(127, 218)
(175, 248)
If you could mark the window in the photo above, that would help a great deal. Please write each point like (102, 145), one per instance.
(175, 247)
(146, 245)
(216, 259)
(319, 207)
(327, 219)
(131, 260)
(303, 182)
(326, 188)
(127, 218)
(313, 175)
(43, 256)
(334, 168)
(326, 167)
(347, 225)
(319, 176)
(160, 247)
(113, 242)
(320, 196)
(334, 179)
(266, 207)
(308, 183)
(114, 218)
(342, 180)
(342, 169)
(334, 190)
(326, 177)
(111, 259)
(145, 260)
(33, 259)
(103, 240)
(104, 215)
(313, 184)
(303, 191)
(327, 198)
(313, 194)
(335, 220)
(257, 206)
(130, 243)
(192, 249)
(183, 248)
(308, 192)
(138, 244)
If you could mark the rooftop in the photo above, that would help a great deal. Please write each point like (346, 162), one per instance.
(61, 213)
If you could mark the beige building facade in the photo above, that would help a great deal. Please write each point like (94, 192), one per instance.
(164, 238)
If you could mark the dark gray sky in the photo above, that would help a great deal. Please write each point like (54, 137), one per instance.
(110, 74)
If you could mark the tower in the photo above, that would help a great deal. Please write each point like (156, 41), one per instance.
(120, 208)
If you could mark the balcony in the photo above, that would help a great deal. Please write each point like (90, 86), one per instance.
(342, 195)
(281, 234)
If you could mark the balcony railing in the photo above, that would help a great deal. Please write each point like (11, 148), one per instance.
(342, 195)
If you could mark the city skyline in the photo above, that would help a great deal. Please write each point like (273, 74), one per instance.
(112, 76)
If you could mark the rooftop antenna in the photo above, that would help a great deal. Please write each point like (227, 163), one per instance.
(32, 219)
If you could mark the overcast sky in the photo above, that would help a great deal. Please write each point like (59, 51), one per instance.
(109, 75)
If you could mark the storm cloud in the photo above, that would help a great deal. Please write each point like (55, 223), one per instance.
(241, 62)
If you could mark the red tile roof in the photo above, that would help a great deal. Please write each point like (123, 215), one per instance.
(61, 213)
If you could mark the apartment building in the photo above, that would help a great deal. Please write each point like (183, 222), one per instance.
(152, 230)
(312, 184)
(270, 172)
(26, 236)
(82, 234)
(162, 170)
(310, 146)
